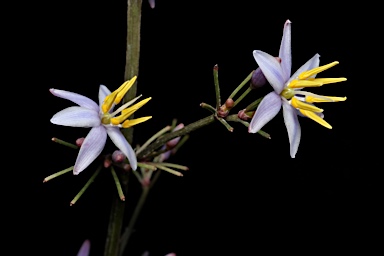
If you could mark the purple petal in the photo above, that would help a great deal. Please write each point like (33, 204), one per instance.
(85, 247)
(271, 69)
(91, 148)
(103, 92)
(76, 117)
(76, 98)
(310, 64)
(121, 142)
(293, 127)
(285, 51)
(268, 109)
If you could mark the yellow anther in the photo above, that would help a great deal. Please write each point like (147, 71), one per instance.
(305, 106)
(130, 123)
(136, 106)
(309, 73)
(312, 99)
(108, 102)
(128, 112)
(304, 83)
(315, 118)
(328, 80)
(123, 89)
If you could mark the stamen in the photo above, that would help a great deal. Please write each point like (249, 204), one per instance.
(108, 102)
(311, 99)
(125, 113)
(328, 80)
(125, 105)
(309, 73)
(305, 106)
(124, 89)
(130, 123)
(315, 118)
(304, 83)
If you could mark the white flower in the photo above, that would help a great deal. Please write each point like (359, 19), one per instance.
(102, 120)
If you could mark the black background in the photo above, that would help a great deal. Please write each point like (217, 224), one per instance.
(243, 193)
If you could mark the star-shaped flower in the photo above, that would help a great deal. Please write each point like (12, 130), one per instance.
(288, 90)
(102, 120)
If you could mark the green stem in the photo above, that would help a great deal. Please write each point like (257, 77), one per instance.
(131, 69)
(65, 143)
(130, 229)
(167, 137)
(242, 96)
(149, 141)
(238, 88)
(217, 87)
(89, 182)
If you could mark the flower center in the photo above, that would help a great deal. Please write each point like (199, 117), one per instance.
(287, 93)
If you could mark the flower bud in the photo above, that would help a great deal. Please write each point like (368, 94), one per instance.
(258, 79)
(245, 115)
(80, 141)
(118, 156)
(172, 143)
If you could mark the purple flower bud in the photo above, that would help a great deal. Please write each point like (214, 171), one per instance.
(79, 141)
(258, 79)
(118, 156)
(172, 143)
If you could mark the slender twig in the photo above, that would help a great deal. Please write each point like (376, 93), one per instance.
(217, 87)
(167, 137)
(89, 182)
(238, 88)
(64, 143)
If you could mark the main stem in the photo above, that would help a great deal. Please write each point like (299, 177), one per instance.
(131, 69)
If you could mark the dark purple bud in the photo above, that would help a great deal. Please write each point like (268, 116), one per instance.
(258, 79)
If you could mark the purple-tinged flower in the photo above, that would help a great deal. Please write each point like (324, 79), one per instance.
(287, 90)
(102, 120)
(84, 249)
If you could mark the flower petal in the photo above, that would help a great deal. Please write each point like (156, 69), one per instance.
(293, 127)
(268, 109)
(91, 148)
(76, 98)
(76, 117)
(285, 51)
(103, 92)
(310, 64)
(121, 142)
(85, 247)
(271, 69)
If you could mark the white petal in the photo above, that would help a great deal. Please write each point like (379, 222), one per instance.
(293, 127)
(76, 98)
(84, 250)
(268, 109)
(103, 92)
(285, 51)
(76, 117)
(271, 69)
(121, 142)
(310, 64)
(91, 148)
